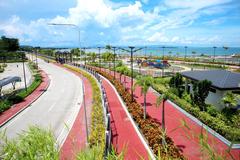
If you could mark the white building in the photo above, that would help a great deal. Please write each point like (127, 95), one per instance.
(222, 81)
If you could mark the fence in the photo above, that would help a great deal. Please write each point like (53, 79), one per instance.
(105, 104)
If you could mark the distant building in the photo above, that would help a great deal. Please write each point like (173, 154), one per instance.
(222, 81)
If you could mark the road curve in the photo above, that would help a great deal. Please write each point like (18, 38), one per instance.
(56, 109)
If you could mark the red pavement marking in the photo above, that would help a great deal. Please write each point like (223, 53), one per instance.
(17, 108)
(76, 139)
(173, 117)
(124, 135)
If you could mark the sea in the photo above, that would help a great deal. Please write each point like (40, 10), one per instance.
(178, 51)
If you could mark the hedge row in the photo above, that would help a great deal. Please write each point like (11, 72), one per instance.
(97, 134)
(214, 122)
(150, 129)
(19, 97)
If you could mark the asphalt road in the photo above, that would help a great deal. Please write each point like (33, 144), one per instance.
(56, 109)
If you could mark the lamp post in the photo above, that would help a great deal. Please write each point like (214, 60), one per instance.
(99, 52)
(163, 47)
(114, 61)
(185, 52)
(73, 25)
(131, 51)
(24, 73)
(214, 49)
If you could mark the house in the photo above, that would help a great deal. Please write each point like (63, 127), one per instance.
(222, 81)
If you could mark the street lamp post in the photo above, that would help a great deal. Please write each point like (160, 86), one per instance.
(132, 51)
(185, 52)
(24, 74)
(114, 61)
(214, 49)
(163, 47)
(99, 52)
(73, 25)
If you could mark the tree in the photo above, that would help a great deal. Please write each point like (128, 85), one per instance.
(200, 92)
(121, 70)
(176, 82)
(9, 44)
(230, 100)
(163, 98)
(145, 83)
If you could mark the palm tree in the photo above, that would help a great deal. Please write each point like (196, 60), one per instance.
(163, 98)
(193, 53)
(145, 83)
(121, 70)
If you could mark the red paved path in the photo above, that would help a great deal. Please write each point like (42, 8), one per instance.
(190, 147)
(17, 108)
(76, 139)
(123, 131)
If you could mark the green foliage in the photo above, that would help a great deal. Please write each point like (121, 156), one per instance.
(35, 143)
(19, 97)
(230, 99)
(97, 134)
(176, 83)
(212, 118)
(9, 44)
(200, 92)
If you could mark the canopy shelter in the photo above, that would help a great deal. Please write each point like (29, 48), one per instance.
(9, 80)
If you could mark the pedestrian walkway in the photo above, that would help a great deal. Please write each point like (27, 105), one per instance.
(76, 139)
(187, 140)
(125, 138)
(17, 108)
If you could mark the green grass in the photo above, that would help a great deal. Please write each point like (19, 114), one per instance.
(35, 143)
(20, 95)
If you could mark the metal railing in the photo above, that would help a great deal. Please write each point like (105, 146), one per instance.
(105, 104)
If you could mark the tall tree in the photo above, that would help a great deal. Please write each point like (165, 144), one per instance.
(144, 82)
(200, 92)
(162, 99)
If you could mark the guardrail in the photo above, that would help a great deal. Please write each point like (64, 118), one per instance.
(105, 104)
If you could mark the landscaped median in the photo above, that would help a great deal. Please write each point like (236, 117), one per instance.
(97, 130)
(149, 128)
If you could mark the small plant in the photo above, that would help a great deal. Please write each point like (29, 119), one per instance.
(35, 143)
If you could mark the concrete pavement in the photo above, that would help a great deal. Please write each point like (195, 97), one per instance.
(56, 108)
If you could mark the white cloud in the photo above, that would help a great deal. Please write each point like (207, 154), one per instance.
(120, 22)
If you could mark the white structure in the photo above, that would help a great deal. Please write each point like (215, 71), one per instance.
(222, 82)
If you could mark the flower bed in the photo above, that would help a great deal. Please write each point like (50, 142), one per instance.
(150, 129)
(97, 134)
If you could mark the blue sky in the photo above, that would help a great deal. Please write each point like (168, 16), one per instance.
(125, 22)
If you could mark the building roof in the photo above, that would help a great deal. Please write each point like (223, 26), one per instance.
(221, 79)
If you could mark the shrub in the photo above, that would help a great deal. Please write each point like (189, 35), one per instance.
(97, 134)
(227, 127)
(35, 143)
